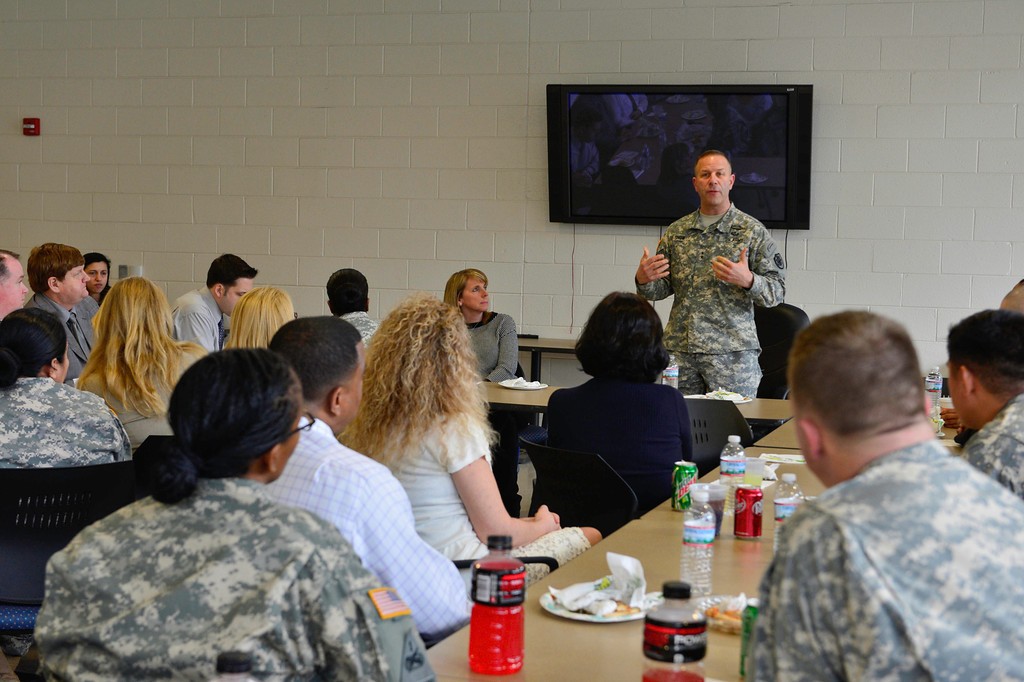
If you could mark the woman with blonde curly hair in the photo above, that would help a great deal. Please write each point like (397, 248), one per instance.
(257, 317)
(424, 417)
(135, 362)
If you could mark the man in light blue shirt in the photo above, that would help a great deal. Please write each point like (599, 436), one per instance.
(358, 495)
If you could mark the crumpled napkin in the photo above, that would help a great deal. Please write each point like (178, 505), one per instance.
(626, 584)
(520, 382)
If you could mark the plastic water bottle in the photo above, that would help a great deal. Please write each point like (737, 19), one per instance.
(234, 666)
(933, 387)
(788, 498)
(675, 637)
(670, 375)
(496, 624)
(732, 468)
(698, 544)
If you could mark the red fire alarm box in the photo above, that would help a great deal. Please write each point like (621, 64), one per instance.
(30, 126)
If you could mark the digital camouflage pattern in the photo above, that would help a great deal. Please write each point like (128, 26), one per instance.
(708, 315)
(46, 424)
(998, 448)
(738, 371)
(911, 570)
(364, 324)
(156, 591)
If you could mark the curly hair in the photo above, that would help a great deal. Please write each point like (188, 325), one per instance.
(622, 340)
(421, 375)
(457, 282)
(257, 317)
(134, 358)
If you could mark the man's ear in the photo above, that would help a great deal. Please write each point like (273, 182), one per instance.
(968, 380)
(53, 284)
(811, 438)
(218, 291)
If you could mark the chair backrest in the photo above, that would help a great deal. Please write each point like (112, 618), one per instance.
(776, 329)
(145, 457)
(581, 488)
(41, 510)
(711, 424)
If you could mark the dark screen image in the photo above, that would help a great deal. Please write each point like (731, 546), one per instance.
(632, 154)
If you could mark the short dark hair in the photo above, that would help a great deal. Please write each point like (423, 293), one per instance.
(4, 271)
(623, 340)
(29, 339)
(321, 350)
(347, 292)
(874, 362)
(51, 260)
(710, 152)
(991, 345)
(228, 409)
(227, 270)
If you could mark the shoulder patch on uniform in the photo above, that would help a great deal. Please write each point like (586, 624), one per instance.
(414, 661)
(388, 603)
(779, 262)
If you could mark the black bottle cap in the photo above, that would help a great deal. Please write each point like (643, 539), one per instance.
(499, 542)
(675, 589)
(234, 662)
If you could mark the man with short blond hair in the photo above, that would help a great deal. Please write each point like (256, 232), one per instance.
(56, 273)
(889, 573)
(12, 282)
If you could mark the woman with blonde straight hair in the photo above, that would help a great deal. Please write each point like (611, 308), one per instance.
(135, 362)
(257, 317)
(423, 415)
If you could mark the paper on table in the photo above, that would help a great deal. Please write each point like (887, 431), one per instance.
(782, 458)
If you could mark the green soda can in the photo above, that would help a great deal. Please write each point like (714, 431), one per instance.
(683, 476)
(749, 618)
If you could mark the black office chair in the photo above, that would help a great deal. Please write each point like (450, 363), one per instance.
(581, 488)
(41, 510)
(145, 458)
(711, 424)
(776, 329)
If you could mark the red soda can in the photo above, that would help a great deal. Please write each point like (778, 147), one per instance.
(749, 510)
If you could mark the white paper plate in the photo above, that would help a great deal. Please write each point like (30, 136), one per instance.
(548, 603)
(738, 401)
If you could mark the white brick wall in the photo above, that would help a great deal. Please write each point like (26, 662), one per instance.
(409, 142)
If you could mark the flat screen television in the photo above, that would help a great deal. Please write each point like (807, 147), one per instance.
(624, 154)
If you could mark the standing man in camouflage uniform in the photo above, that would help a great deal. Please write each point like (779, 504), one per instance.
(718, 263)
(986, 381)
(911, 564)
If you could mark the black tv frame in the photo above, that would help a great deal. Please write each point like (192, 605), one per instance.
(797, 189)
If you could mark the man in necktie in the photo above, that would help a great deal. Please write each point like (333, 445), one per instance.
(199, 315)
(56, 273)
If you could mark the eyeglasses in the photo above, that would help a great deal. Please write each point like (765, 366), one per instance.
(310, 420)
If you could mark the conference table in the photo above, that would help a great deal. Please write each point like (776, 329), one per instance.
(785, 437)
(561, 649)
(536, 347)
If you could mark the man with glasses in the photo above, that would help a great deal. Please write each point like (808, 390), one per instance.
(357, 494)
(911, 564)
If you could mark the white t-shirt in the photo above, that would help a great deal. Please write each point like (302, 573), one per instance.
(441, 517)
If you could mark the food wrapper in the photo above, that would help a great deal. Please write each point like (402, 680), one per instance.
(625, 585)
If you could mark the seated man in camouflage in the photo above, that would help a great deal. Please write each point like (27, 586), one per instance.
(986, 382)
(910, 565)
(348, 297)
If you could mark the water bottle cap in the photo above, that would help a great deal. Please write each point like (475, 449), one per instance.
(789, 478)
(499, 542)
(234, 662)
(734, 439)
(676, 589)
(699, 495)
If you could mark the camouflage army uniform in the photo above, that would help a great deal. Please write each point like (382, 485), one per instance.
(911, 570)
(711, 326)
(156, 591)
(364, 324)
(46, 424)
(998, 448)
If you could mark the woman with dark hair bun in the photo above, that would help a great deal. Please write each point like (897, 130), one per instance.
(640, 428)
(211, 564)
(43, 421)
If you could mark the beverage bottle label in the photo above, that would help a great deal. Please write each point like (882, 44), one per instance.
(500, 588)
(733, 467)
(696, 534)
(785, 508)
